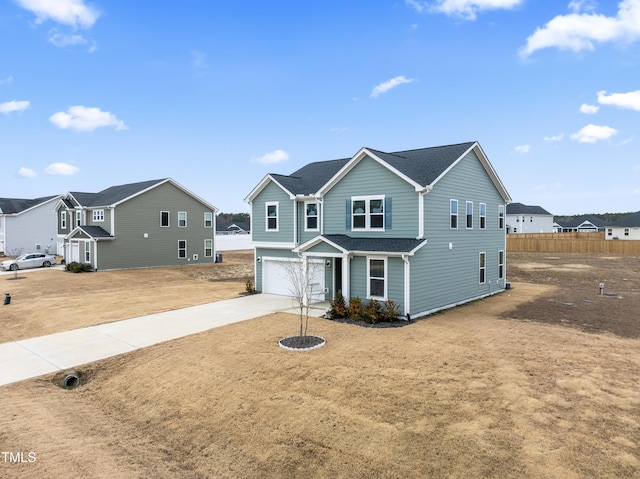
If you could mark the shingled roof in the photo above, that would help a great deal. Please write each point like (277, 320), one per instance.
(114, 194)
(520, 209)
(12, 206)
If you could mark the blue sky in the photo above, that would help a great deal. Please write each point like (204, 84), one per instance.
(217, 94)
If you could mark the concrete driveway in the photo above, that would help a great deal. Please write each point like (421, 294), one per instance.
(29, 358)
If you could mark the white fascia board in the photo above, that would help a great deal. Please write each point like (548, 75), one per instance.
(55, 198)
(263, 183)
(317, 240)
(359, 156)
(273, 245)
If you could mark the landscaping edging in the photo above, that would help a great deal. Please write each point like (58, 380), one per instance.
(306, 343)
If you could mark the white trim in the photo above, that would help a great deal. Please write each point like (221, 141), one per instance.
(266, 216)
(204, 219)
(97, 215)
(482, 268)
(385, 278)
(420, 215)
(262, 185)
(186, 219)
(480, 216)
(168, 219)
(457, 215)
(317, 216)
(407, 284)
(204, 252)
(186, 249)
(367, 212)
(274, 245)
(466, 215)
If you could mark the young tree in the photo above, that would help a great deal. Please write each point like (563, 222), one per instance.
(304, 282)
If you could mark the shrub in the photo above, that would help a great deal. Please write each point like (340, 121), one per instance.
(372, 312)
(356, 311)
(76, 267)
(338, 307)
(390, 311)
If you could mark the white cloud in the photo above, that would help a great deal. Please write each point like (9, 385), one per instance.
(465, 9)
(621, 100)
(593, 133)
(64, 169)
(8, 80)
(579, 31)
(523, 149)
(82, 118)
(26, 172)
(74, 13)
(62, 40)
(589, 109)
(554, 137)
(13, 105)
(578, 6)
(277, 156)
(389, 84)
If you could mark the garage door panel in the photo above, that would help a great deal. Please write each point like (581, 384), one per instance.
(276, 279)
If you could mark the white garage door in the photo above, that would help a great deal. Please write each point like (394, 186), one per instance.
(276, 279)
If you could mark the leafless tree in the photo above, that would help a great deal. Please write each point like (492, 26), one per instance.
(302, 276)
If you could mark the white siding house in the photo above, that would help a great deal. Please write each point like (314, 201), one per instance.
(28, 225)
(528, 219)
(627, 228)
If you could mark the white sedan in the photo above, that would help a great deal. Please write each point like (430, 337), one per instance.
(31, 260)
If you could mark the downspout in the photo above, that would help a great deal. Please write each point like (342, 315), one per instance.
(407, 286)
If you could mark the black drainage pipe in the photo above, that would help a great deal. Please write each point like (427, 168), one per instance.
(71, 381)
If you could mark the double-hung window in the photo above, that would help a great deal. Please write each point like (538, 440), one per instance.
(208, 219)
(483, 268)
(182, 249)
(501, 216)
(500, 264)
(78, 218)
(626, 231)
(469, 214)
(164, 219)
(98, 215)
(182, 219)
(271, 220)
(453, 214)
(63, 220)
(208, 248)
(311, 217)
(377, 275)
(367, 212)
(483, 216)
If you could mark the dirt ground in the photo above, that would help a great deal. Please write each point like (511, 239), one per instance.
(501, 387)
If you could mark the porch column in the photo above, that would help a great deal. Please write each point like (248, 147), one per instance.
(346, 274)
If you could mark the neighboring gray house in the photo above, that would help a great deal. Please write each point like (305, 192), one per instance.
(583, 224)
(28, 226)
(626, 228)
(138, 225)
(424, 228)
(528, 219)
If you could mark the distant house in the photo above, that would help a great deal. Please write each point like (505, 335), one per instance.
(528, 219)
(584, 224)
(626, 228)
(28, 225)
(137, 225)
(239, 228)
(424, 228)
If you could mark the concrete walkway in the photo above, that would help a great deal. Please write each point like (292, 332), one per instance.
(29, 358)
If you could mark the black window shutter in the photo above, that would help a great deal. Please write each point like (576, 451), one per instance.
(387, 212)
(348, 215)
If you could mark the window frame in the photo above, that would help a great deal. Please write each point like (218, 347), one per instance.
(368, 215)
(97, 216)
(63, 220)
(453, 216)
(482, 213)
(627, 232)
(276, 228)
(501, 217)
(168, 225)
(384, 279)
(501, 264)
(482, 268)
(78, 217)
(307, 217)
(180, 221)
(209, 220)
(183, 249)
(208, 249)
(469, 215)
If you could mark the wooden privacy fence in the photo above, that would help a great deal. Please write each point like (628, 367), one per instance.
(571, 243)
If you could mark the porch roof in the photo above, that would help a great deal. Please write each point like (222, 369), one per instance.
(348, 244)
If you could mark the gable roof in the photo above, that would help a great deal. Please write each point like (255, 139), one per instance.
(14, 206)
(422, 168)
(520, 209)
(632, 220)
(349, 244)
(94, 232)
(594, 220)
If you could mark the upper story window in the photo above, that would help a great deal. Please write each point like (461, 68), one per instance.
(182, 219)
(78, 218)
(208, 219)
(367, 212)
(311, 217)
(501, 216)
(165, 219)
(483, 216)
(453, 214)
(63, 220)
(98, 215)
(271, 220)
(469, 214)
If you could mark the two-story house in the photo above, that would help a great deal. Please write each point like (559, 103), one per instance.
(28, 225)
(424, 228)
(528, 219)
(625, 228)
(138, 225)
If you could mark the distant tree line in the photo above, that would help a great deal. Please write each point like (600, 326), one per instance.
(609, 217)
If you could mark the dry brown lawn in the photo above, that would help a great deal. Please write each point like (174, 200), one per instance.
(468, 393)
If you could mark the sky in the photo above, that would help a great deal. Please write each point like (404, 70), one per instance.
(217, 94)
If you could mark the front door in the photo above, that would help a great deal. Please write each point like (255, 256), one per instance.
(337, 276)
